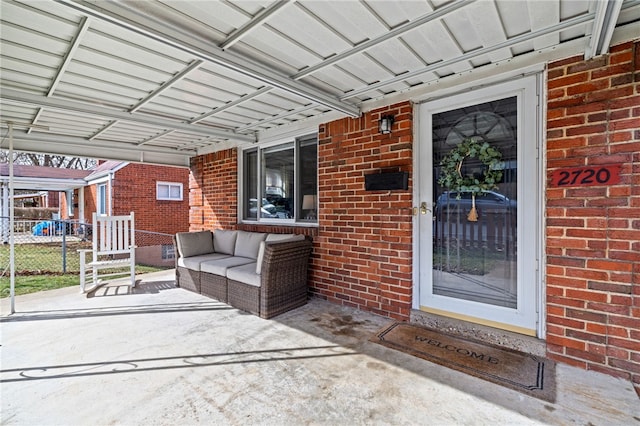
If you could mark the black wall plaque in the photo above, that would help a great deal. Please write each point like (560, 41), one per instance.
(386, 181)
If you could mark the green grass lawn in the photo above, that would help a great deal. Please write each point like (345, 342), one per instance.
(43, 258)
(39, 267)
(33, 283)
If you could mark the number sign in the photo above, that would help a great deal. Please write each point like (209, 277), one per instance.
(603, 175)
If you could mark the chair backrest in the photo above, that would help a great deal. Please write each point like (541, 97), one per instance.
(113, 234)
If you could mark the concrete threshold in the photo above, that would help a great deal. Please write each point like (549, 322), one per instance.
(491, 335)
(163, 355)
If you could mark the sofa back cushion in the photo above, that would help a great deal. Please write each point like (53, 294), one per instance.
(248, 244)
(282, 237)
(194, 243)
(272, 238)
(224, 241)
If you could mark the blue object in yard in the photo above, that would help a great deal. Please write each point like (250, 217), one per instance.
(46, 228)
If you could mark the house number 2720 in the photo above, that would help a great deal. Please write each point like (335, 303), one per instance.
(586, 176)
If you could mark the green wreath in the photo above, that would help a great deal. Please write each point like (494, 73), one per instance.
(451, 174)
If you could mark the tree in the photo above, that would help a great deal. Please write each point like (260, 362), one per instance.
(48, 160)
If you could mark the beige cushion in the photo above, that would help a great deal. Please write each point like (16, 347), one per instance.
(224, 241)
(194, 262)
(245, 274)
(194, 243)
(272, 238)
(248, 244)
(220, 266)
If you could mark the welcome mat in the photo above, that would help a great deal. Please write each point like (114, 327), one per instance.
(517, 370)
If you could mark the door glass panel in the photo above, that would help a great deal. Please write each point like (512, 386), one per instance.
(476, 260)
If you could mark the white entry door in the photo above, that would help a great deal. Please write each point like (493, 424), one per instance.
(481, 266)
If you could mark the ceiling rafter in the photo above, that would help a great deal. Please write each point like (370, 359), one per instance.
(167, 85)
(35, 120)
(154, 137)
(396, 32)
(103, 130)
(77, 39)
(59, 144)
(573, 22)
(325, 24)
(257, 20)
(85, 23)
(228, 105)
(19, 96)
(606, 16)
(279, 116)
(159, 31)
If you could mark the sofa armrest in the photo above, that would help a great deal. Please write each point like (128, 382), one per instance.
(284, 276)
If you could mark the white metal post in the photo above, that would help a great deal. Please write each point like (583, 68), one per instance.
(12, 266)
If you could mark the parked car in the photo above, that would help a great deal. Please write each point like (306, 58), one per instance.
(267, 210)
(486, 202)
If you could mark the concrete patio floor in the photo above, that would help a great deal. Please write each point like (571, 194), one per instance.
(164, 356)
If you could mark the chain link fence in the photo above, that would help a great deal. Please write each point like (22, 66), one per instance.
(50, 247)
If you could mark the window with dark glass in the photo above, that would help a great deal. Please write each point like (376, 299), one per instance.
(280, 182)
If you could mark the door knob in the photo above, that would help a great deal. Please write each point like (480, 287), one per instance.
(423, 208)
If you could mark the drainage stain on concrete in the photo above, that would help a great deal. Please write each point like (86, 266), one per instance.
(345, 325)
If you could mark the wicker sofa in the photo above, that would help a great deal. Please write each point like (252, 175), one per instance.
(265, 274)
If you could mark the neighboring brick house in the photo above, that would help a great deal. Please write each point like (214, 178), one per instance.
(575, 276)
(157, 195)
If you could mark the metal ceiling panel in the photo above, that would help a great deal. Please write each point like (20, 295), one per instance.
(69, 122)
(354, 20)
(188, 77)
(15, 113)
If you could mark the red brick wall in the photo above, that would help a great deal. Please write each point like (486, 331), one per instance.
(593, 233)
(363, 245)
(363, 251)
(134, 189)
(213, 191)
(90, 204)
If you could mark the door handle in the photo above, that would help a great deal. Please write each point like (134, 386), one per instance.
(423, 208)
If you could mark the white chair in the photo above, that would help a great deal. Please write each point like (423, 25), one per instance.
(114, 248)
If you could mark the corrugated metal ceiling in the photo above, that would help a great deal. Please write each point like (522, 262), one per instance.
(161, 81)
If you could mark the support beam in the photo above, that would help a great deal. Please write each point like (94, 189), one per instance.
(19, 96)
(570, 23)
(84, 27)
(228, 105)
(606, 16)
(166, 85)
(256, 21)
(396, 32)
(80, 147)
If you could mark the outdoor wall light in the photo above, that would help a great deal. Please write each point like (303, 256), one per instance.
(385, 124)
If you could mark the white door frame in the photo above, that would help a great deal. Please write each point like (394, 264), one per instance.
(531, 85)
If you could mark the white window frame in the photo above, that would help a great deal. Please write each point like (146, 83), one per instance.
(102, 200)
(169, 185)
